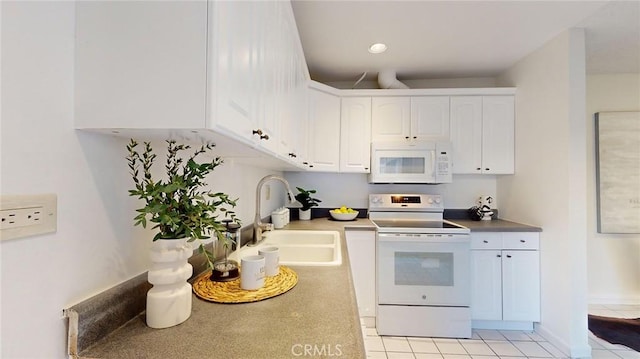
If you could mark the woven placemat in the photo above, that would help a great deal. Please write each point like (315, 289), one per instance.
(230, 292)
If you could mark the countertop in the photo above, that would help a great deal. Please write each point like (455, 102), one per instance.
(320, 313)
(495, 225)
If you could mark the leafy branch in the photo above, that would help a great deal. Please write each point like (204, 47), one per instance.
(179, 206)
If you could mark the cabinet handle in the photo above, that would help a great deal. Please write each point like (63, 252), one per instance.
(310, 165)
(366, 168)
(487, 169)
(305, 163)
(478, 168)
(498, 255)
(261, 134)
(522, 241)
(291, 154)
(485, 241)
(406, 137)
(508, 255)
(414, 137)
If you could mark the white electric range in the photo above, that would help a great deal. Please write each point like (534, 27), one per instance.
(422, 268)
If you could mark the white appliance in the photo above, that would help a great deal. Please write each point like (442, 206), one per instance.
(422, 268)
(412, 162)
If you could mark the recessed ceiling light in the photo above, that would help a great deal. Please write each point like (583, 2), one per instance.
(378, 48)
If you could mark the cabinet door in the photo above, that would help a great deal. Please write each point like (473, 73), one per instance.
(355, 134)
(324, 131)
(361, 246)
(140, 64)
(466, 134)
(521, 285)
(430, 118)
(498, 134)
(235, 92)
(486, 285)
(390, 119)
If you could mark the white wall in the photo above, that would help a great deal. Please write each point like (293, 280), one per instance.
(96, 245)
(352, 190)
(613, 260)
(549, 188)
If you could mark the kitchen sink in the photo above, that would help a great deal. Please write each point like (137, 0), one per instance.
(300, 247)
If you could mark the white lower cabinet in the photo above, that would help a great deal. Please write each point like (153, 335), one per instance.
(505, 280)
(361, 245)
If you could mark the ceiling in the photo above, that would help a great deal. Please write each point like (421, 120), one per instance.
(456, 39)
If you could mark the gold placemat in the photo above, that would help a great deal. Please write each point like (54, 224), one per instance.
(230, 292)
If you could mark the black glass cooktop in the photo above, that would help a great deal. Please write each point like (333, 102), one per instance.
(404, 223)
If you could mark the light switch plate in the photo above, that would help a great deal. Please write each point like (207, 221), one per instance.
(27, 215)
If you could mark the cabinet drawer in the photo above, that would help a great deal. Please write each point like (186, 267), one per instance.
(520, 240)
(486, 241)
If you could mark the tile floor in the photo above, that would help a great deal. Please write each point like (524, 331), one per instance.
(494, 344)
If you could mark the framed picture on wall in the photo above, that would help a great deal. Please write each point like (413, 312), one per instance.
(618, 171)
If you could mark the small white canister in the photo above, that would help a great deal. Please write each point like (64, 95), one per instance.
(278, 218)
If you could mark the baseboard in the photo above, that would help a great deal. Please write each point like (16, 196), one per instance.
(582, 351)
(615, 299)
(368, 322)
(501, 325)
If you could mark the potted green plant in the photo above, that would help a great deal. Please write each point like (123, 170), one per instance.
(304, 197)
(182, 211)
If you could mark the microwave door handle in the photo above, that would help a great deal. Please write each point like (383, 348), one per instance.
(434, 165)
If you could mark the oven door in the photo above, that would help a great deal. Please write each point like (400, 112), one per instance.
(423, 269)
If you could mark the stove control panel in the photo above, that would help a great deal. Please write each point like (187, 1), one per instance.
(418, 202)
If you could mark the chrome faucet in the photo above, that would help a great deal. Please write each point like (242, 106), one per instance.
(258, 226)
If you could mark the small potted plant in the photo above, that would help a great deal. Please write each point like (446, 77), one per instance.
(183, 211)
(304, 197)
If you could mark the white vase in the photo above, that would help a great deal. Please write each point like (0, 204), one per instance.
(169, 301)
(304, 215)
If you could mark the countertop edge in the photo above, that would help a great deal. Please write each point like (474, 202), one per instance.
(496, 225)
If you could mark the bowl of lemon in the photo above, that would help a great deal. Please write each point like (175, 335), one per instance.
(343, 213)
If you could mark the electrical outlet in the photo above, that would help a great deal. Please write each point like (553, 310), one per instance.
(20, 217)
(27, 215)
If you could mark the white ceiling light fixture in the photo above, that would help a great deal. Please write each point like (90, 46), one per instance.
(377, 48)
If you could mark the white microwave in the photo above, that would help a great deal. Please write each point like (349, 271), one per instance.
(415, 162)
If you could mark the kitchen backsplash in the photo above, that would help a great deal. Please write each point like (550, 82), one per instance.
(352, 190)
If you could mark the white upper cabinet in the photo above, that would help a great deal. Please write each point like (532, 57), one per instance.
(390, 118)
(498, 125)
(230, 68)
(323, 131)
(140, 65)
(355, 134)
(430, 118)
(482, 134)
(236, 65)
(415, 118)
(466, 134)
